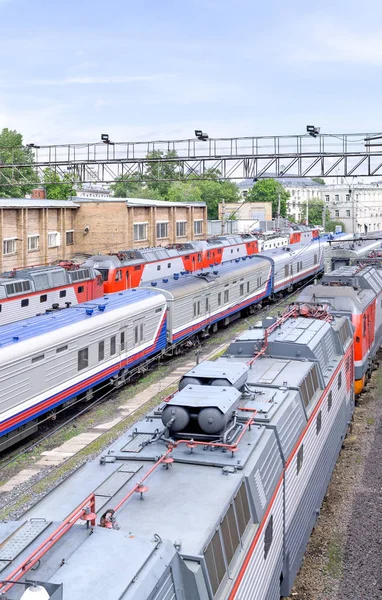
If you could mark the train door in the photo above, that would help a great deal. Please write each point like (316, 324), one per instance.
(207, 307)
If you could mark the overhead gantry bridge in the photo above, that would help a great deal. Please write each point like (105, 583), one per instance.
(342, 155)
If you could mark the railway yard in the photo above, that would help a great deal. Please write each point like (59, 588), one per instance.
(234, 385)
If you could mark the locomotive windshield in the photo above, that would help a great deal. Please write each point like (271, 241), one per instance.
(104, 273)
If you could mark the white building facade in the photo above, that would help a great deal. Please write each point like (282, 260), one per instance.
(357, 205)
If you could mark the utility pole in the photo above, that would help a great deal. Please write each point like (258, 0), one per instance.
(223, 215)
(278, 211)
(324, 217)
(307, 211)
(354, 211)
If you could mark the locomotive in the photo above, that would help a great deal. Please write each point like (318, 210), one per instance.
(214, 493)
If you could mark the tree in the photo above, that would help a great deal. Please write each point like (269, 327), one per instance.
(214, 192)
(127, 186)
(316, 209)
(331, 226)
(12, 151)
(58, 188)
(187, 191)
(318, 180)
(268, 190)
(159, 175)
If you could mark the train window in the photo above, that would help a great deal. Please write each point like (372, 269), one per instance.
(127, 275)
(231, 250)
(43, 298)
(118, 275)
(220, 250)
(364, 326)
(61, 349)
(158, 267)
(207, 305)
(300, 458)
(242, 289)
(25, 302)
(169, 265)
(83, 358)
(158, 310)
(247, 287)
(318, 422)
(199, 257)
(226, 296)
(330, 400)
(268, 537)
(137, 268)
(219, 299)
(136, 337)
(238, 250)
(141, 332)
(38, 358)
(101, 350)
(81, 289)
(122, 340)
(1, 306)
(258, 283)
(339, 380)
(234, 281)
(315, 259)
(286, 270)
(208, 254)
(62, 293)
(113, 345)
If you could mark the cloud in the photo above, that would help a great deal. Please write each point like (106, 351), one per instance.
(327, 41)
(97, 80)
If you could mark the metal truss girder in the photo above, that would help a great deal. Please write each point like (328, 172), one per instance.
(360, 162)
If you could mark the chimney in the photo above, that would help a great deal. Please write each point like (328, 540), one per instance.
(39, 193)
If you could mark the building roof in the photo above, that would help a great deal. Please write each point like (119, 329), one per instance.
(36, 203)
(141, 202)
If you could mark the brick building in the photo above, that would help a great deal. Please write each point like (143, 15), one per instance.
(35, 231)
(39, 231)
(104, 225)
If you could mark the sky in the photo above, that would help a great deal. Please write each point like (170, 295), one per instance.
(150, 70)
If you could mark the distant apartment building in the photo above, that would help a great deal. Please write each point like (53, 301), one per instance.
(357, 205)
(40, 231)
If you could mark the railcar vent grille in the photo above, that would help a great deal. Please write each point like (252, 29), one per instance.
(135, 444)
(165, 589)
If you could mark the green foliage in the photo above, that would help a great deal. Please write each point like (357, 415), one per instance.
(291, 218)
(13, 152)
(159, 174)
(268, 190)
(127, 186)
(58, 188)
(316, 209)
(318, 180)
(214, 192)
(187, 191)
(331, 226)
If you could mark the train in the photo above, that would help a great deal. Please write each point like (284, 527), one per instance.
(213, 494)
(31, 291)
(349, 252)
(130, 268)
(356, 292)
(53, 359)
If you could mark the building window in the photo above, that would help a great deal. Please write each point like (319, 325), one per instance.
(83, 358)
(70, 238)
(336, 197)
(300, 458)
(268, 537)
(198, 227)
(162, 230)
(101, 350)
(181, 228)
(327, 198)
(25, 302)
(140, 232)
(9, 246)
(347, 197)
(113, 345)
(348, 213)
(336, 213)
(53, 239)
(33, 242)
